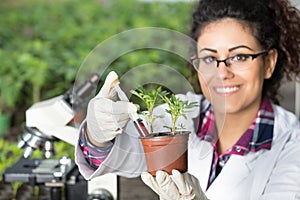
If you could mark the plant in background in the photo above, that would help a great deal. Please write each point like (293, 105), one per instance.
(28, 45)
(150, 98)
(11, 83)
(177, 108)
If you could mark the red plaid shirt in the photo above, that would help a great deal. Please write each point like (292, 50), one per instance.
(258, 136)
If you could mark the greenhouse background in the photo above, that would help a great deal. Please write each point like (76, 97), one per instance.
(43, 44)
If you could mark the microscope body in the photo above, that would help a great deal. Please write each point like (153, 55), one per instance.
(50, 121)
(47, 122)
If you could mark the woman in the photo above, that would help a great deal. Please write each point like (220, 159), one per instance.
(246, 146)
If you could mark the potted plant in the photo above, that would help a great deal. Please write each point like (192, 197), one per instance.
(165, 150)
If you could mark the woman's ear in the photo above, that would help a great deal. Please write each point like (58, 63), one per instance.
(270, 63)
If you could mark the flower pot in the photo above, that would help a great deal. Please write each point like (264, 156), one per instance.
(165, 151)
(4, 123)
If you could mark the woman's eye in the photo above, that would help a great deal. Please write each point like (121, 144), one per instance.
(209, 59)
(240, 57)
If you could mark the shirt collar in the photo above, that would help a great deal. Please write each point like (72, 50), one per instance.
(258, 136)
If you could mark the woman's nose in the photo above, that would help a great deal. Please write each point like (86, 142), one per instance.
(224, 72)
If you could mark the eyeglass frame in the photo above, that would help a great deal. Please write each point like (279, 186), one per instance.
(225, 61)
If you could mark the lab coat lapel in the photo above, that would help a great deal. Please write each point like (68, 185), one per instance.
(234, 172)
(267, 163)
(200, 159)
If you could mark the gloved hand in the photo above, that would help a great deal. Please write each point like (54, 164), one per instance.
(106, 116)
(177, 186)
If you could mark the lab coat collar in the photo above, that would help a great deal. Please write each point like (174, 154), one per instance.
(236, 169)
(233, 173)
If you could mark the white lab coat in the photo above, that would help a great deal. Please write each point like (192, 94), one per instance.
(267, 174)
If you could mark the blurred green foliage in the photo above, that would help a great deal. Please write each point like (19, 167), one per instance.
(44, 42)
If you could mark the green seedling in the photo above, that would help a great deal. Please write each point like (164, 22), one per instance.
(150, 98)
(177, 108)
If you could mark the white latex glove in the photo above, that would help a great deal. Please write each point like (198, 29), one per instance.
(178, 186)
(106, 116)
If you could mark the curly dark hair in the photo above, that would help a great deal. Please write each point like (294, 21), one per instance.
(275, 24)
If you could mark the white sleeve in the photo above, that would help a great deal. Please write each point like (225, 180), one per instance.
(126, 157)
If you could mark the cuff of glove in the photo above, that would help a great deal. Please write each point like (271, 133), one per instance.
(93, 155)
(88, 143)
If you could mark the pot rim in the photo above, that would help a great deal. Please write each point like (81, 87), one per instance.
(165, 134)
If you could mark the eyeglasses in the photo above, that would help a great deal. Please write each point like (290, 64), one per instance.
(237, 62)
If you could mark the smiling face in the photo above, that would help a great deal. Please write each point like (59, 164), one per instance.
(232, 90)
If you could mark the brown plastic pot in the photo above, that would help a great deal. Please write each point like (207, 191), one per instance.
(165, 151)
